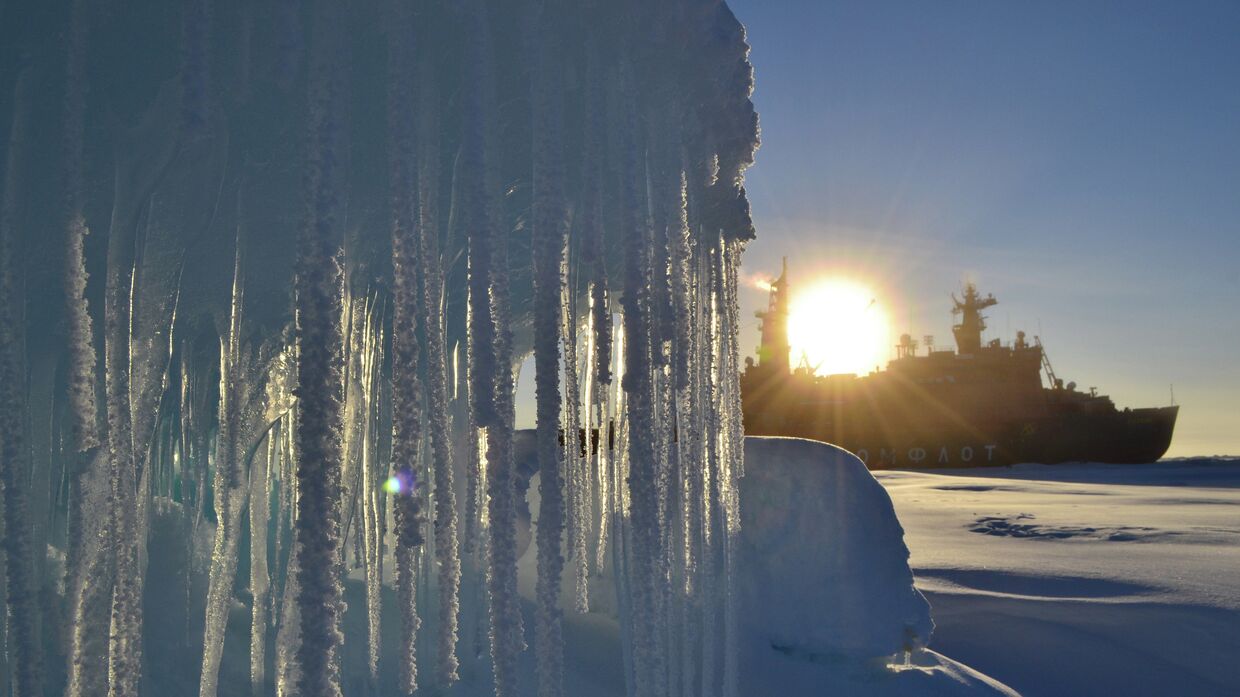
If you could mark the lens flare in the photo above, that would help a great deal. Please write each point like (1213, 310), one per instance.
(403, 482)
(837, 326)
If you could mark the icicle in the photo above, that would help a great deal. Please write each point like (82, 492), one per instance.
(697, 509)
(550, 220)
(372, 487)
(490, 350)
(83, 411)
(89, 603)
(639, 386)
(507, 633)
(734, 433)
(405, 436)
(80, 340)
(475, 471)
(501, 475)
(319, 383)
(476, 215)
(586, 405)
(679, 252)
(23, 605)
(260, 581)
(285, 599)
(406, 303)
(481, 553)
(474, 545)
(686, 456)
(446, 548)
(574, 458)
(621, 534)
(229, 488)
(595, 252)
(353, 321)
(288, 638)
(125, 648)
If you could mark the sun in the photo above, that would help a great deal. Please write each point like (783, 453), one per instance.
(837, 326)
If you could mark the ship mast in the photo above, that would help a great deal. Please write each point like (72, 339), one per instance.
(773, 353)
(972, 323)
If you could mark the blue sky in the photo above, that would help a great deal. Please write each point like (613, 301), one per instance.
(1081, 161)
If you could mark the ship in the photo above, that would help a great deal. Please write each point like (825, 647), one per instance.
(983, 403)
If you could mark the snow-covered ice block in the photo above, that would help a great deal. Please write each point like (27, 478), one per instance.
(824, 568)
(827, 596)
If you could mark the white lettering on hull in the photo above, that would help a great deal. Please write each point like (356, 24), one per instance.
(918, 455)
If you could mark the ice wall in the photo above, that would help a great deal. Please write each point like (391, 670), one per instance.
(295, 250)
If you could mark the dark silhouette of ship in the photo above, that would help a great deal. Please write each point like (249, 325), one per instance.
(982, 404)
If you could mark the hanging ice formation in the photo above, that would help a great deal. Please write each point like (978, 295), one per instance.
(303, 247)
(406, 421)
(319, 305)
(25, 656)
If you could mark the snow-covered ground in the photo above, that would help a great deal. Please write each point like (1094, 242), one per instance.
(1066, 580)
(1082, 579)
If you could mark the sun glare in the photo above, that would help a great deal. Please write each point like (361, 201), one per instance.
(837, 326)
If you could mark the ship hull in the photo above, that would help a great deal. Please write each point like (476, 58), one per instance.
(1121, 437)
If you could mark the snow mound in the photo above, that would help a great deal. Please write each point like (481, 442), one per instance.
(827, 596)
(826, 565)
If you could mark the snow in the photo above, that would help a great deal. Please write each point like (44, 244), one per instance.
(827, 598)
(1124, 578)
(826, 585)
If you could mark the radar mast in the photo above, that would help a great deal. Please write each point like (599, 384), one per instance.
(972, 322)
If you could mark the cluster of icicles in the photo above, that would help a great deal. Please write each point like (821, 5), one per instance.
(344, 439)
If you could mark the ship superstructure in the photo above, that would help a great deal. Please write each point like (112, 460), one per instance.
(982, 404)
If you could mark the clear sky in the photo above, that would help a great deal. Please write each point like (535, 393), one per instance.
(1080, 160)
